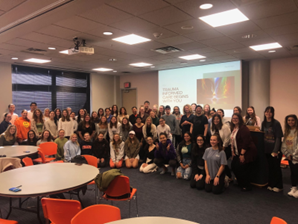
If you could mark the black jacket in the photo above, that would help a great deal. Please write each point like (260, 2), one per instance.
(101, 149)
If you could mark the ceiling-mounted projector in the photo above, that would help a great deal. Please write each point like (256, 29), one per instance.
(79, 48)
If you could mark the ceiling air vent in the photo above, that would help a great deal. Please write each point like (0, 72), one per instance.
(126, 72)
(32, 50)
(167, 50)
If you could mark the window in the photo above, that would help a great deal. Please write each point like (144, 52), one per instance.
(49, 89)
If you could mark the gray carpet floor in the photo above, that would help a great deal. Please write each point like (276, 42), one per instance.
(163, 195)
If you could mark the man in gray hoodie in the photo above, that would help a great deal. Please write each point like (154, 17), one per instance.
(170, 118)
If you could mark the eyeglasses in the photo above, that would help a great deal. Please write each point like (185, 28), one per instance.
(200, 140)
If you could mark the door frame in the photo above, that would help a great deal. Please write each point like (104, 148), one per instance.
(121, 95)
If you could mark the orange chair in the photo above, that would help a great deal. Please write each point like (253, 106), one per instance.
(284, 161)
(5, 221)
(92, 160)
(60, 211)
(276, 220)
(27, 161)
(47, 149)
(97, 214)
(118, 187)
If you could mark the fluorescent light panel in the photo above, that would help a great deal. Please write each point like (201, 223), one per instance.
(131, 39)
(102, 69)
(107, 33)
(269, 46)
(52, 48)
(206, 6)
(192, 57)
(140, 64)
(36, 60)
(224, 18)
(63, 52)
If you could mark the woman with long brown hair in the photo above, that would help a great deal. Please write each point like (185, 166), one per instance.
(161, 111)
(9, 137)
(207, 111)
(51, 126)
(66, 124)
(86, 126)
(125, 128)
(37, 122)
(131, 149)
(116, 151)
(45, 137)
(115, 111)
(290, 150)
(102, 127)
(114, 128)
(251, 119)
(122, 114)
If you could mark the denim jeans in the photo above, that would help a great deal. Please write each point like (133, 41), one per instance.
(185, 173)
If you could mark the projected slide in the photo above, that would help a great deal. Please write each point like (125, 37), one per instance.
(218, 85)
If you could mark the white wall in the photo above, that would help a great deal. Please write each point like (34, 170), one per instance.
(283, 87)
(146, 85)
(5, 86)
(102, 91)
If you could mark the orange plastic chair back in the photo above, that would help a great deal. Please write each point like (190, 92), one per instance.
(97, 214)
(276, 220)
(48, 148)
(118, 187)
(5, 221)
(91, 160)
(60, 211)
(27, 161)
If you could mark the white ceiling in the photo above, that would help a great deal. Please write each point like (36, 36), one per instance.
(269, 21)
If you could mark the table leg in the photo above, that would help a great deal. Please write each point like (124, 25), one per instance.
(10, 207)
(37, 211)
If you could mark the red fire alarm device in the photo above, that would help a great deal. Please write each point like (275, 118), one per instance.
(127, 85)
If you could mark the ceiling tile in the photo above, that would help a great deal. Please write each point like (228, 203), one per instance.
(190, 46)
(27, 43)
(287, 39)
(137, 7)
(192, 7)
(57, 31)
(106, 15)
(175, 40)
(275, 21)
(218, 41)
(98, 31)
(166, 16)
(266, 9)
(133, 25)
(156, 33)
(282, 30)
(63, 43)
(204, 35)
(195, 23)
(246, 26)
(8, 5)
(77, 23)
(225, 47)
(258, 41)
(39, 37)
(1, 12)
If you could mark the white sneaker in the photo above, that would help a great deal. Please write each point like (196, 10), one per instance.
(275, 189)
(269, 188)
(293, 191)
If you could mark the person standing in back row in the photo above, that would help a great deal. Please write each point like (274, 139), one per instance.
(186, 119)
(146, 107)
(170, 120)
(33, 106)
(133, 116)
(199, 124)
(11, 109)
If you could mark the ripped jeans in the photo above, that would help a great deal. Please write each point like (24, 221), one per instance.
(185, 173)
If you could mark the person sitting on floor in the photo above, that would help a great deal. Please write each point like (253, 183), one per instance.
(116, 151)
(149, 166)
(9, 137)
(184, 157)
(165, 154)
(45, 137)
(101, 149)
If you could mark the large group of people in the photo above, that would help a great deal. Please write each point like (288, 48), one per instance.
(195, 144)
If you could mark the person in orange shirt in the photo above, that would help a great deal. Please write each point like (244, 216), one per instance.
(23, 126)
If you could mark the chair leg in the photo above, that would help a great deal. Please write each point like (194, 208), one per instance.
(129, 208)
(137, 204)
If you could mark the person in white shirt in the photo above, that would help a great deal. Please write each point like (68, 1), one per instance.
(11, 109)
(33, 106)
(66, 123)
(114, 128)
(164, 128)
(46, 114)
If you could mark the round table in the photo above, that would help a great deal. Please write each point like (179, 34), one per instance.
(45, 179)
(18, 150)
(152, 220)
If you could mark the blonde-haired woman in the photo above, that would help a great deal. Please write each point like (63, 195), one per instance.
(9, 137)
(149, 129)
(131, 149)
(46, 114)
(116, 151)
(71, 148)
(186, 119)
(37, 122)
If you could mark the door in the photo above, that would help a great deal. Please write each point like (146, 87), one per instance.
(129, 99)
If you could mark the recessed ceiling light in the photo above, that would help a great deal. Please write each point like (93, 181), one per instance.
(272, 51)
(192, 57)
(114, 71)
(224, 18)
(102, 69)
(206, 6)
(249, 36)
(112, 59)
(107, 33)
(63, 52)
(14, 58)
(269, 46)
(202, 60)
(36, 60)
(52, 48)
(140, 64)
(131, 39)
